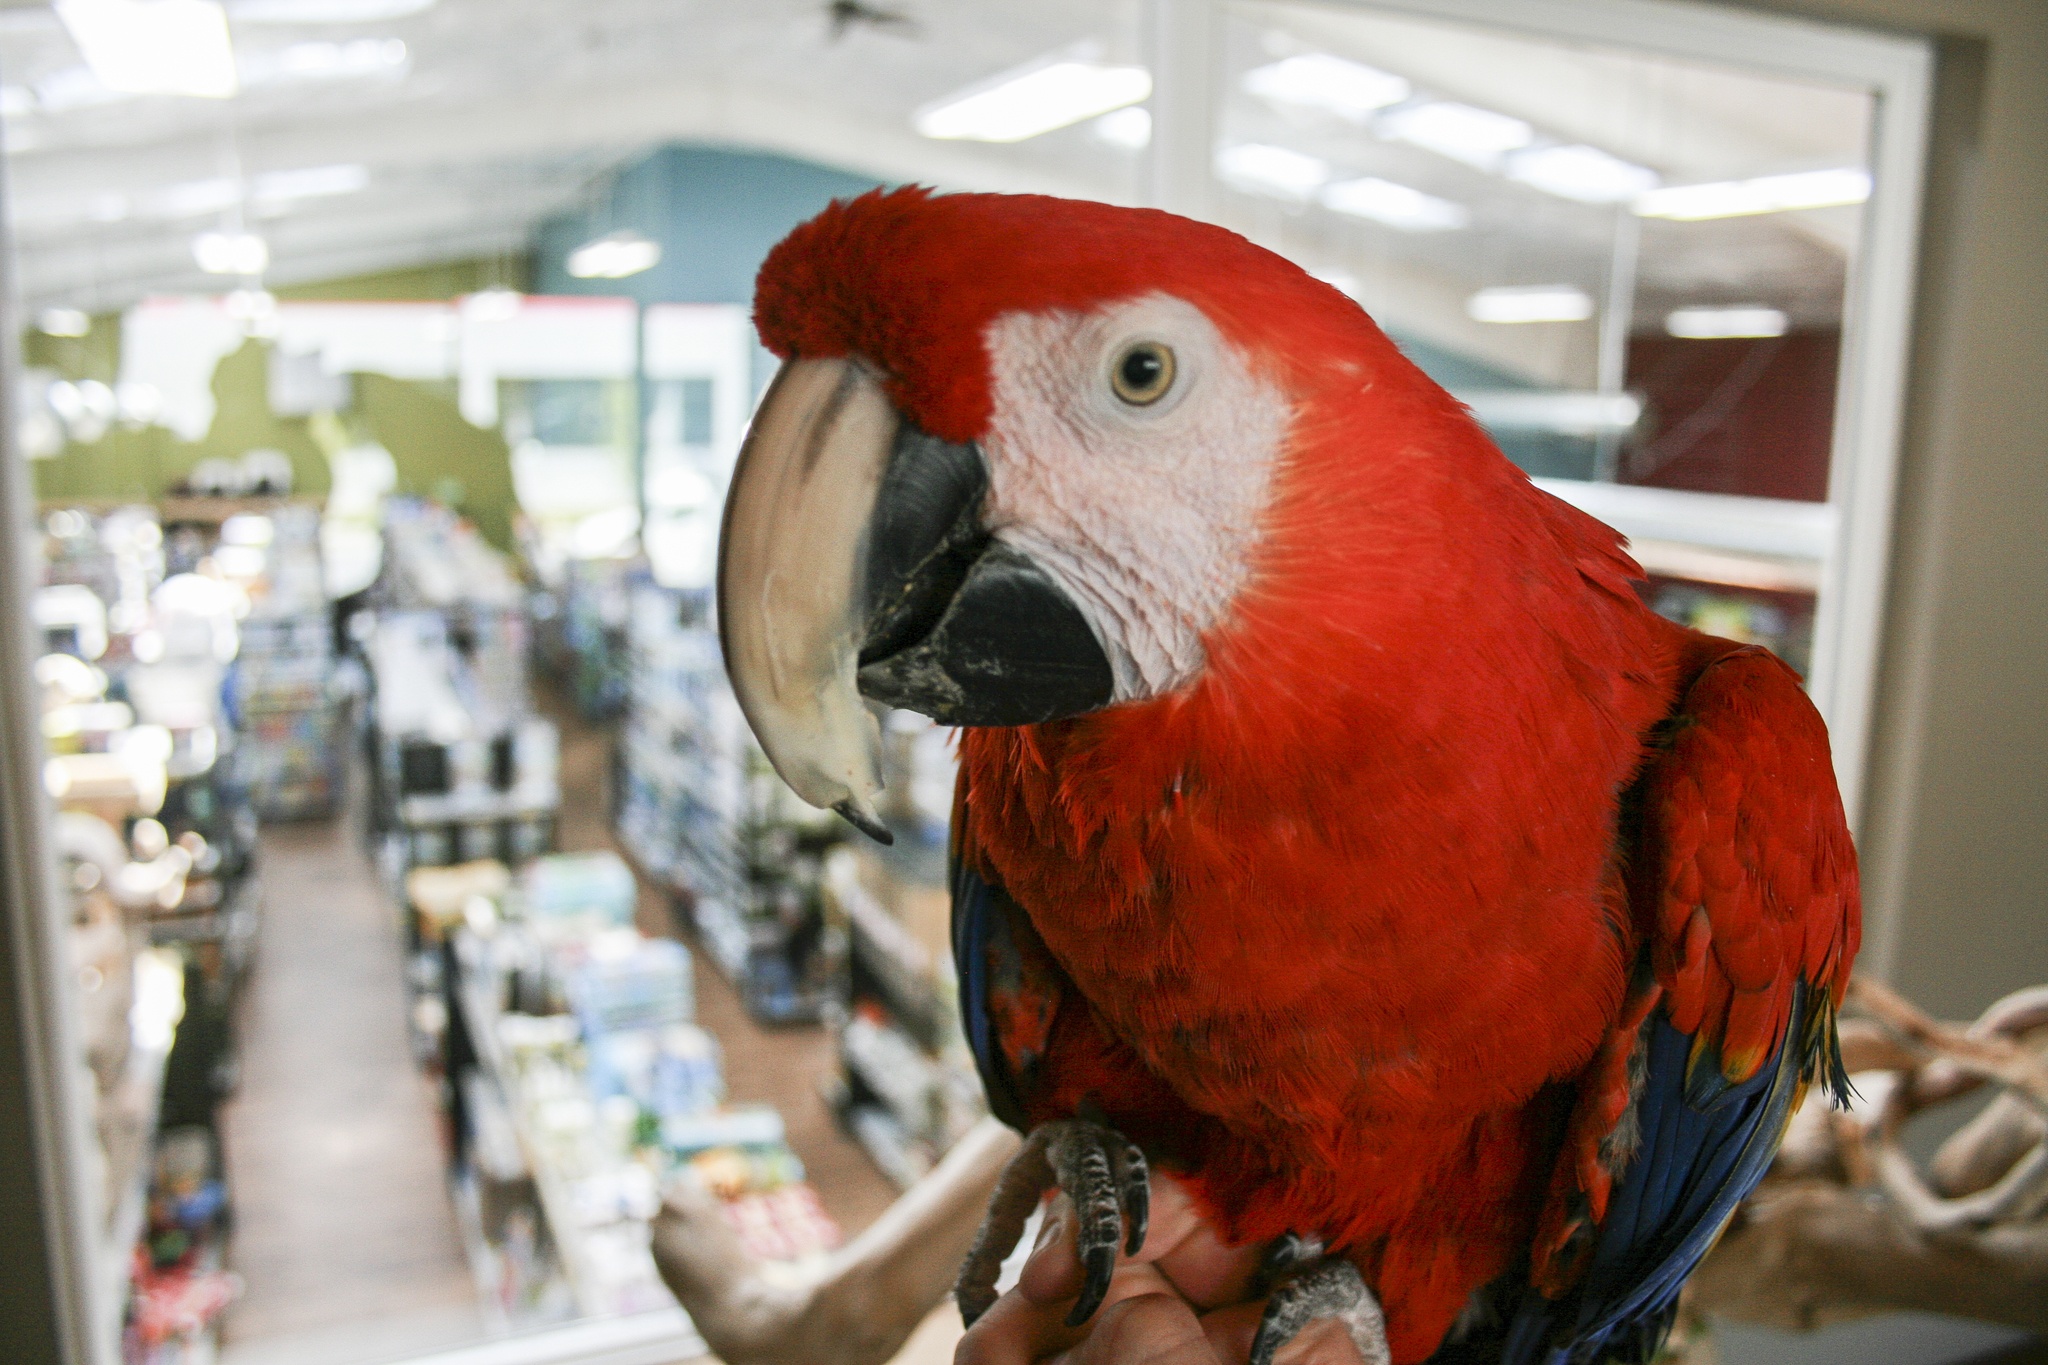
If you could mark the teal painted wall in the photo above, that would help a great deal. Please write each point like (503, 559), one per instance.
(715, 211)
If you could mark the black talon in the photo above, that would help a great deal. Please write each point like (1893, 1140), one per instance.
(1098, 1263)
(1081, 1159)
(1105, 1176)
(1137, 1199)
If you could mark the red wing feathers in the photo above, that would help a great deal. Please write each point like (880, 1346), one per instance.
(1744, 883)
(1746, 870)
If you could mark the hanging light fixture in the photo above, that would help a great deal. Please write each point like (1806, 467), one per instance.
(614, 256)
(231, 253)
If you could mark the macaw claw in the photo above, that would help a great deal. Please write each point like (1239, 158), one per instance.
(1329, 1288)
(1106, 1177)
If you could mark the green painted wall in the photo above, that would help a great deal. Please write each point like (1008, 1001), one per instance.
(144, 463)
(437, 452)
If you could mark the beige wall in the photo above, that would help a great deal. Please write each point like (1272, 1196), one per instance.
(1955, 843)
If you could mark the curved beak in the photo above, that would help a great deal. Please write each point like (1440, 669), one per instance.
(854, 562)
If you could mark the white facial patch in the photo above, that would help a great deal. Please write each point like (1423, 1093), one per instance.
(1144, 514)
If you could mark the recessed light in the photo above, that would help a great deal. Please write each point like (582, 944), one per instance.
(1763, 194)
(1579, 172)
(1530, 303)
(1278, 172)
(231, 253)
(1129, 128)
(1396, 206)
(614, 256)
(1317, 80)
(1463, 132)
(1739, 320)
(154, 47)
(313, 182)
(1033, 99)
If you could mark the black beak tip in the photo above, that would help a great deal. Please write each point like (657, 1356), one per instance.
(866, 824)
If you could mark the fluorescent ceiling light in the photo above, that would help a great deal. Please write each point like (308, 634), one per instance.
(1396, 206)
(154, 47)
(1571, 412)
(194, 198)
(614, 256)
(231, 253)
(325, 61)
(1129, 128)
(324, 11)
(63, 322)
(313, 182)
(1477, 137)
(1530, 303)
(1317, 80)
(1584, 173)
(1764, 194)
(1741, 320)
(1033, 99)
(1259, 168)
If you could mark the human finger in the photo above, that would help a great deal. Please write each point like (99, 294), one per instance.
(1053, 1271)
(1207, 1271)
(1323, 1342)
(1019, 1328)
(1145, 1329)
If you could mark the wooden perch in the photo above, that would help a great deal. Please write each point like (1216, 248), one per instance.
(1848, 1224)
(864, 1301)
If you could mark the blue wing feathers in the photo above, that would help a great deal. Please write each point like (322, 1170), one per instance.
(1695, 1164)
(981, 925)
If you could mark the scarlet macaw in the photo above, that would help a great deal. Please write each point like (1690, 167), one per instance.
(1335, 825)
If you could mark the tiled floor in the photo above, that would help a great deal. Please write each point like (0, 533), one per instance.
(333, 1142)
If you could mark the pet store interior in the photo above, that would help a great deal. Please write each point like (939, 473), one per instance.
(424, 908)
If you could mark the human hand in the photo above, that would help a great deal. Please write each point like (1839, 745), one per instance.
(1184, 1299)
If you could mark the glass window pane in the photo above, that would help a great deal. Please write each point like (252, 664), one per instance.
(1631, 267)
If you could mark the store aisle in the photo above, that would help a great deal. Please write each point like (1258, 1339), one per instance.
(344, 1235)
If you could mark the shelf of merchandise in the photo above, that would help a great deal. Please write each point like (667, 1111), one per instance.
(703, 815)
(159, 1004)
(898, 1043)
(480, 1014)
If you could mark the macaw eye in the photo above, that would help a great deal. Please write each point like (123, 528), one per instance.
(1143, 373)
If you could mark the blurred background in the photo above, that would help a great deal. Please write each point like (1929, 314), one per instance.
(382, 366)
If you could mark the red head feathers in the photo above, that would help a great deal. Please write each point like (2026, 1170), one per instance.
(909, 280)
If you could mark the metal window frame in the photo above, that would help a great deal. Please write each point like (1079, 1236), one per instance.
(61, 1313)
(1184, 37)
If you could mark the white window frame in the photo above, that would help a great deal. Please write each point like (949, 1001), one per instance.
(1852, 531)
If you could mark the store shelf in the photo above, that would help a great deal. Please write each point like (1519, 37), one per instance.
(481, 1015)
(137, 1100)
